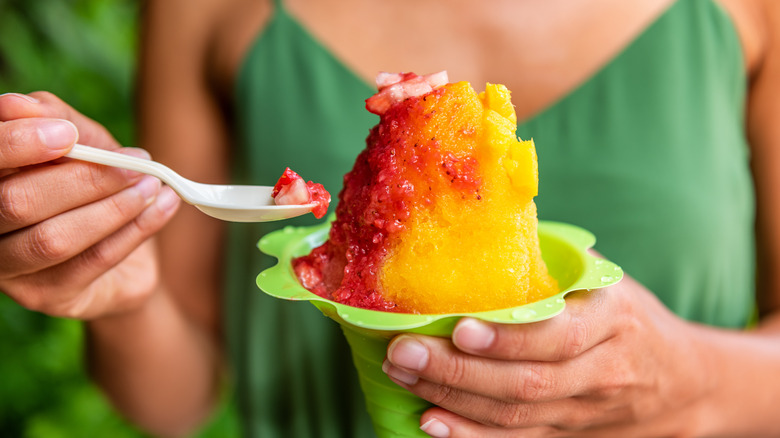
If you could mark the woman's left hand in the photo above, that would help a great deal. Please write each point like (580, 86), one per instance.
(615, 363)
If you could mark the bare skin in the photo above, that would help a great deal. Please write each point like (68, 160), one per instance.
(155, 347)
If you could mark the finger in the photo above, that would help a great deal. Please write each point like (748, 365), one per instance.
(580, 327)
(413, 358)
(91, 132)
(574, 413)
(90, 281)
(42, 104)
(17, 106)
(26, 142)
(37, 194)
(440, 423)
(566, 414)
(55, 240)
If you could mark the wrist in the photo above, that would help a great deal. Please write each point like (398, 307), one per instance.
(740, 375)
(132, 319)
(156, 366)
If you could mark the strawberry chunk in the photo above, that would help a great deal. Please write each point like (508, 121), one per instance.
(292, 190)
(397, 87)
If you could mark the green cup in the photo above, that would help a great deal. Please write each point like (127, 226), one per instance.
(394, 411)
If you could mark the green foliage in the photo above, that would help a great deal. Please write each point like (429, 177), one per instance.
(84, 52)
(81, 50)
(44, 392)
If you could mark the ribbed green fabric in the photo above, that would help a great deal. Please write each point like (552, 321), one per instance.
(649, 154)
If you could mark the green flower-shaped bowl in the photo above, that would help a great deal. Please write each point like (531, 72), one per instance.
(395, 411)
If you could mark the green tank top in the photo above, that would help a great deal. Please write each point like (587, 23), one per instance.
(649, 154)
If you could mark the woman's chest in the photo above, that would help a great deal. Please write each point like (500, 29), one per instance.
(540, 50)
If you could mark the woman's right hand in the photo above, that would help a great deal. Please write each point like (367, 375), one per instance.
(74, 236)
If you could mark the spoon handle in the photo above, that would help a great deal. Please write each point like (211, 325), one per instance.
(114, 159)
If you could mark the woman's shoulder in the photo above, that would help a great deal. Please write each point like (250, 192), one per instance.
(753, 21)
(209, 36)
(235, 29)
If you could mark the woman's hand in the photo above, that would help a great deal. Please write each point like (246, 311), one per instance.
(73, 235)
(615, 363)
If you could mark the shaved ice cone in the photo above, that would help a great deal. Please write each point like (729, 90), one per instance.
(436, 221)
(394, 411)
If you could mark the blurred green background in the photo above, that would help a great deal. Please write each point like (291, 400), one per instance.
(85, 52)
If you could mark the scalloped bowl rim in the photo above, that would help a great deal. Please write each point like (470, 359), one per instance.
(580, 271)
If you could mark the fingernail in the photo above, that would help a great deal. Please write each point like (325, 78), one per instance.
(407, 352)
(399, 374)
(167, 199)
(435, 428)
(22, 96)
(149, 187)
(471, 334)
(58, 134)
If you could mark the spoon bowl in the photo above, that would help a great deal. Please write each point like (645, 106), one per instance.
(233, 203)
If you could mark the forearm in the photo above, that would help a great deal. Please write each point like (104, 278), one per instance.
(744, 381)
(159, 369)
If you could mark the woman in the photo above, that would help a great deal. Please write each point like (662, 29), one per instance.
(642, 106)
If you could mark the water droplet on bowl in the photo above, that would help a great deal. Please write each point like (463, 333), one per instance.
(607, 278)
(523, 313)
(560, 300)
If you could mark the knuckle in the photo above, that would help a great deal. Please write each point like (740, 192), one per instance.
(15, 208)
(144, 226)
(14, 137)
(576, 339)
(533, 384)
(454, 371)
(17, 135)
(121, 207)
(514, 343)
(509, 416)
(520, 342)
(117, 248)
(48, 242)
(443, 394)
(615, 382)
(631, 325)
(91, 177)
(100, 257)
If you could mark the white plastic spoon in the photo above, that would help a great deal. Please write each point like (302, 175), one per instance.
(226, 202)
